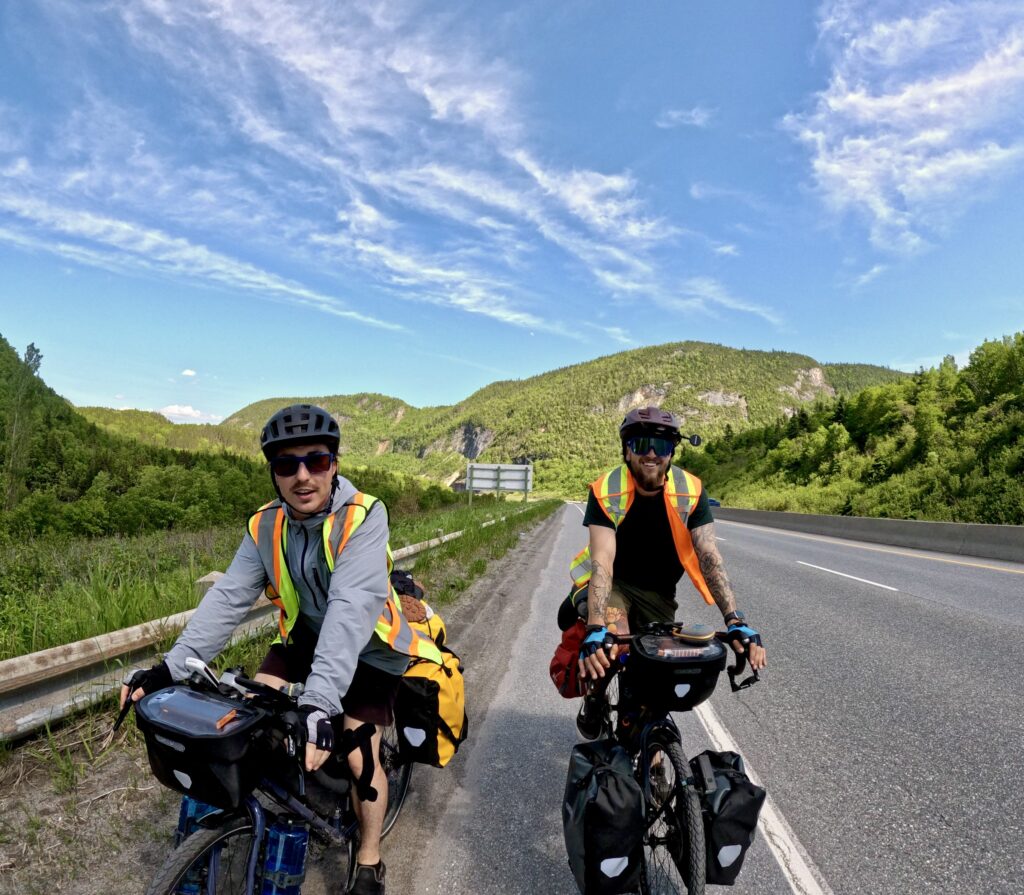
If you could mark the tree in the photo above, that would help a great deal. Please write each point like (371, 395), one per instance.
(19, 423)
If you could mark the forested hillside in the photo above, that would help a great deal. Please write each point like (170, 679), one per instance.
(944, 444)
(62, 474)
(565, 421)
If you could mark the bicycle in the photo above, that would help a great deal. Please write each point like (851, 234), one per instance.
(254, 780)
(675, 668)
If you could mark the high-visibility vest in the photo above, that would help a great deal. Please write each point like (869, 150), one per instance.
(269, 529)
(615, 491)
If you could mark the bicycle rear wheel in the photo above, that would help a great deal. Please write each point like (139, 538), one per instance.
(210, 860)
(674, 858)
(399, 774)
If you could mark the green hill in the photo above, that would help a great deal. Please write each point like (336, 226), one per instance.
(565, 421)
(944, 444)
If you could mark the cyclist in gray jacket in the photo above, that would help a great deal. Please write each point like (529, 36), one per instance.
(334, 627)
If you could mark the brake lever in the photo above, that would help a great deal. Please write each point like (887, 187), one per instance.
(737, 669)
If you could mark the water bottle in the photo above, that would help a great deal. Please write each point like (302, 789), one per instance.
(191, 812)
(284, 862)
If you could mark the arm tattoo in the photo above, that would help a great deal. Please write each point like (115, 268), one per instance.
(598, 594)
(712, 566)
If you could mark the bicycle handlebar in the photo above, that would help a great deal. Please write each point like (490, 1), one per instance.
(729, 637)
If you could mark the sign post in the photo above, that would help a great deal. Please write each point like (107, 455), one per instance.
(499, 477)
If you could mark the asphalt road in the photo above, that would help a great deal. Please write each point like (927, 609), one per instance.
(887, 729)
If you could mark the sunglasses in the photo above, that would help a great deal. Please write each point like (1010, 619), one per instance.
(641, 444)
(288, 465)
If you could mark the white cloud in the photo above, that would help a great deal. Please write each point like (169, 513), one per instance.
(707, 294)
(188, 372)
(727, 248)
(185, 413)
(698, 116)
(922, 108)
(870, 275)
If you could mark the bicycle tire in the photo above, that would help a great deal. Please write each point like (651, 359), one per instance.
(399, 774)
(674, 850)
(196, 851)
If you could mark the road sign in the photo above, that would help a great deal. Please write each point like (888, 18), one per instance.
(499, 477)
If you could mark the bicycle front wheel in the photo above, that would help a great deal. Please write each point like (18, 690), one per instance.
(399, 774)
(674, 858)
(209, 861)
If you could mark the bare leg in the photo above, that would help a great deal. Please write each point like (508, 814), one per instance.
(369, 814)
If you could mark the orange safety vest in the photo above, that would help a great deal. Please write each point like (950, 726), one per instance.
(269, 529)
(615, 491)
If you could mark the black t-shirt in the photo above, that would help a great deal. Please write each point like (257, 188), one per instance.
(645, 554)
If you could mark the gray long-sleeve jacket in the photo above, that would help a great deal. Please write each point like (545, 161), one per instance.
(344, 610)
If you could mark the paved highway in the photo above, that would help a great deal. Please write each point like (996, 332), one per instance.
(887, 728)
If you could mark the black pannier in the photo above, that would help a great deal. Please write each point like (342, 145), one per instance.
(674, 673)
(731, 807)
(603, 819)
(213, 748)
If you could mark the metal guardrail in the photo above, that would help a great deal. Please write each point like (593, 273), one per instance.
(47, 686)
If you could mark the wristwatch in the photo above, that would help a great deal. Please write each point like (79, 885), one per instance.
(734, 617)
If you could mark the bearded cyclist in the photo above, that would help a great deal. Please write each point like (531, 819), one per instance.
(649, 524)
(320, 552)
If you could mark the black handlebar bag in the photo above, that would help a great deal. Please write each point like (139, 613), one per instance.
(212, 748)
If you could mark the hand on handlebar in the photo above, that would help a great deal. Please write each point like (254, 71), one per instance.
(597, 652)
(319, 735)
(745, 639)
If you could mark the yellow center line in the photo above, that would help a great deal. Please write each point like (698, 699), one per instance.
(841, 543)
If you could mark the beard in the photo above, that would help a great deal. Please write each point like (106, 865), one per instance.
(649, 477)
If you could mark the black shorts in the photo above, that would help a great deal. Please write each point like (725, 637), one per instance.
(371, 695)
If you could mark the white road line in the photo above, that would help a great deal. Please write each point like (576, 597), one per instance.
(717, 538)
(578, 507)
(844, 575)
(803, 876)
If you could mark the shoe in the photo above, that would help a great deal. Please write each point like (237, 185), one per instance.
(369, 880)
(590, 720)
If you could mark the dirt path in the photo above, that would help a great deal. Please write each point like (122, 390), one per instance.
(97, 827)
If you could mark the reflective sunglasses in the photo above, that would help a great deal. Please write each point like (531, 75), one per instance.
(287, 465)
(641, 444)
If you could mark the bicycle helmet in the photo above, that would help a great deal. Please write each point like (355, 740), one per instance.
(299, 424)
(650, 421)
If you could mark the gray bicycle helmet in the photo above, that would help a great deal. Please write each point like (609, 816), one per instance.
(299, 424)
(654, 421)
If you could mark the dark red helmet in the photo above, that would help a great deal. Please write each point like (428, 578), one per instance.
(299, 424)
(650, 421)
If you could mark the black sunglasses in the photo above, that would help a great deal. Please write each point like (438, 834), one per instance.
(287, 465)
(641, 444)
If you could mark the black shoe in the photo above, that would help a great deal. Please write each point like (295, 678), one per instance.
(590, 720)
(369, 879)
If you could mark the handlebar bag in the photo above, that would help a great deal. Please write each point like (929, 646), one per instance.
(204, 744)
(603, 819)
(673, 673)
(430, 711)
(730, 813)
(564, 668)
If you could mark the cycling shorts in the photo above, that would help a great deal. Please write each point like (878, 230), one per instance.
(371, 695)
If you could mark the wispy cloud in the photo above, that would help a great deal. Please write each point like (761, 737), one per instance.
(708, 191)
(708, 294)
(727, 248)
(185, 413)
(870, 275)
(918, 113)
(698, 116)
(189, 373)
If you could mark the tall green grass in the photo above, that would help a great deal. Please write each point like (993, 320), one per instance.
(56, 590)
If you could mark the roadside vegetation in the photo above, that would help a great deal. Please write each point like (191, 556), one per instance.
(944, 444)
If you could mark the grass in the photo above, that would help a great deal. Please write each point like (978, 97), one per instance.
(59, 590)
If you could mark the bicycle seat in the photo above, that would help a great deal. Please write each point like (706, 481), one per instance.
(694, 633)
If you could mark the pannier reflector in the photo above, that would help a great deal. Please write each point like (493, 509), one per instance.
(614, 866)
(183, 779)
(682, 690)
(728, 853)
(174, 744)
(415, 736)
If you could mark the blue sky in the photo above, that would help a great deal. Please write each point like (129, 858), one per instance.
(204, 203)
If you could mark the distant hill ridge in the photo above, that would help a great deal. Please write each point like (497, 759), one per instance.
(565, 420)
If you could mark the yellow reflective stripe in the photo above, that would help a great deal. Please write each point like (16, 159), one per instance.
(581, 568)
